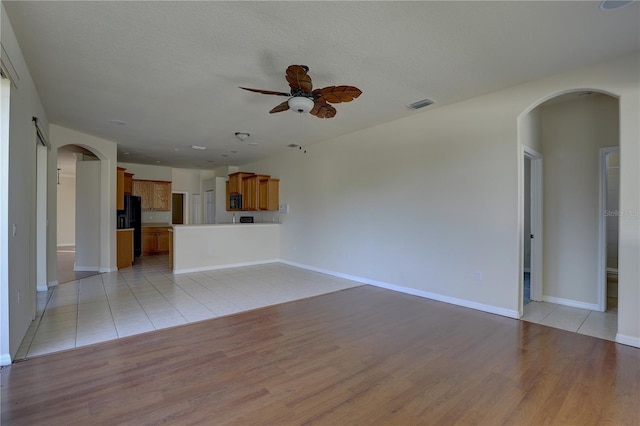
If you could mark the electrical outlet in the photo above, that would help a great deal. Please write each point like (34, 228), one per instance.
(15, 229)
(283, 208)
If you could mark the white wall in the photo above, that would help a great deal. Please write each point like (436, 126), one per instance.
(18, 192)
(426, 201)
(88, 213)
(421, 203)
(530, 131)
(573, 132)
(66, 211)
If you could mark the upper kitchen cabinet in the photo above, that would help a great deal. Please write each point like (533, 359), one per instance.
(235, 190)
(120, 188)
(156, 195)
(128, 183)
(269, 193)
(250, 191)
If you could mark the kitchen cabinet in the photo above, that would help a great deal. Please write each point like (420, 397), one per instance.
(155, 240)
(120, 188)
(128, 183)
(124, 243)
(251, 191)
(269, 194)
(156, 195)
(235, 187)
(258, 192)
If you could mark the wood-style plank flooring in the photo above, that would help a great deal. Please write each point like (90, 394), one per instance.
(359, 356)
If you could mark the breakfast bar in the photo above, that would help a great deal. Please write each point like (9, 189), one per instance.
(216, 246)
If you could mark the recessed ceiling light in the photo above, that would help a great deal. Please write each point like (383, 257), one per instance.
(118, 122)
(201, 148)
(613, 4)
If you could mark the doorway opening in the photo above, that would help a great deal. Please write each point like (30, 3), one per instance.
(532, 229)
(179, 208)
(608, 228)
(77, 229)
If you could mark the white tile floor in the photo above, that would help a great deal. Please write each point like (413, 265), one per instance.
(592, 323)
(149, 297)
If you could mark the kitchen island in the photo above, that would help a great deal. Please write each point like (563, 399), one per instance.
(216, 246)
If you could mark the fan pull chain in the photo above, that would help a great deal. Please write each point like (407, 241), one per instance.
(301, 129)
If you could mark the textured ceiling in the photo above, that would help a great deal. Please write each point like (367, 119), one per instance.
(171, 70)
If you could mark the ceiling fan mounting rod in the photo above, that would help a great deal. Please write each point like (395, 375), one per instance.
(300, 92)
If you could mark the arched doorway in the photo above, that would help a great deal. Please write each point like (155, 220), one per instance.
(570, 130)
(74, 220)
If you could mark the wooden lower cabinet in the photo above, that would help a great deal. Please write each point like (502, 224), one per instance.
(155, 240)
(124, 243)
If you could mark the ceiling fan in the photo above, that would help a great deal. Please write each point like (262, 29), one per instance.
(303, 98)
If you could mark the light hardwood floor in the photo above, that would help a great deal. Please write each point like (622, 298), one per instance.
(364, 355)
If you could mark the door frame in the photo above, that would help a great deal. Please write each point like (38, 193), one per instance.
(602, 226)
(536, 219)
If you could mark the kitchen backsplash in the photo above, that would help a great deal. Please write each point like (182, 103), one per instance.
(156, 217)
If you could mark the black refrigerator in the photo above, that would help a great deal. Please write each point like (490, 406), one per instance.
(131, 217)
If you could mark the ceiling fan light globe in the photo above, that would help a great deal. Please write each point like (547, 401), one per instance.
(300, 104)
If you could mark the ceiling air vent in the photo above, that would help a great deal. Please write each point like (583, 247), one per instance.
(420, 104)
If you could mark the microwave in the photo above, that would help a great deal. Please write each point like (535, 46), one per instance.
(235, 201)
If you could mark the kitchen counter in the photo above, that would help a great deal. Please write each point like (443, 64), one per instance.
(224, 245)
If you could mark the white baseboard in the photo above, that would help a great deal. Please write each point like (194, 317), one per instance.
(571, 303)
(628, 340)
(407, 290)
(66, 245)
(105, 270)
(52, 283)
(5, 359)
(226, 266)
(86, 268)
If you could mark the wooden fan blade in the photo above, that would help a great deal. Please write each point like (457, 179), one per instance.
(323, 110)
(266, 92)
(299, 79)
(337, 94)
(282, 107)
